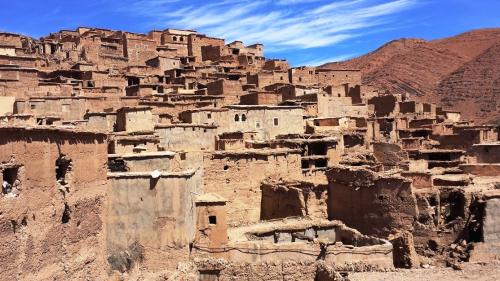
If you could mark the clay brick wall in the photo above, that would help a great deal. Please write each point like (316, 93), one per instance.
(196, 42)
(228, 177)
(50, 230)
(139, 51)
(10, 39)
(357, 195)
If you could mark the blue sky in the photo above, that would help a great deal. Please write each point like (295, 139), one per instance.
(303, 31)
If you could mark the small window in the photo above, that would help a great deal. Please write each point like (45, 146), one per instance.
(209, 115)
(63, 166)
(236, 118)
(281, 78)
(9, 179)
(175, 39)
(276, 121)
(181, 38)
(33, 106)
(257, 124)
(243, 118)
(212, 219)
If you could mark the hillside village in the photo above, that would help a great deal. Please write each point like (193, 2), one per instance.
(172, 155)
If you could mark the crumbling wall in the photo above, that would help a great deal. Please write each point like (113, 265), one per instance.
(369, 202)
(52, 226)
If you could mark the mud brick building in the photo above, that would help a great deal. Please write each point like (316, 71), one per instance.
(175, 155)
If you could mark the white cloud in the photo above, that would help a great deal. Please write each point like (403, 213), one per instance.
(321, 61)
(309, 24)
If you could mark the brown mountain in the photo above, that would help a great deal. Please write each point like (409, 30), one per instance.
(459, 73)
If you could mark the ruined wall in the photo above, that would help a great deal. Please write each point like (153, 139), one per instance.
(370, 203)
(293, 200)
(53, 229)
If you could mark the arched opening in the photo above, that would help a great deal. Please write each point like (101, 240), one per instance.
(174, 38)
(243, 118)
(236, 118)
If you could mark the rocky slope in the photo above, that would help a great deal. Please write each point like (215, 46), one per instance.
(459, 73)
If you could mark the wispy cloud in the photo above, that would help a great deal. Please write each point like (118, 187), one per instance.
(323, 60)
(279, 24)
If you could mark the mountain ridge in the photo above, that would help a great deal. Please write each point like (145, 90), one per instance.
(454, 72)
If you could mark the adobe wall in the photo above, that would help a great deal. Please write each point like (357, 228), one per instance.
(487, 153)
(384, 105)
(287, 200)
(370, 203)
(139, 51)
(158, 215)
(186, 138)
(135, 120)
(238, 176)
(50, 231)
(261, 120)
(196, 42)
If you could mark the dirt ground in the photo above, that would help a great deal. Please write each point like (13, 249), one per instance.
(490, 271)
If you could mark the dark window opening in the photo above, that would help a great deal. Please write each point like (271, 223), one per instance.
(32, 106)
(174, 38)
(243, 117)
(53, 49)
(9, 179)
(317, 149)
(181, 38)
(320, 163)
(90, 84)
(212, 219)
(440, 157)
(117, 165)
(236, 51)
(305, 164)
(66, 216)
(209, 115)
(63, 166)
(133, 81)
(226, 167)
(236, 118)
(276, 121)
(182, 155)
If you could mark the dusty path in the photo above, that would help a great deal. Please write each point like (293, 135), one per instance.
(487, 272)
